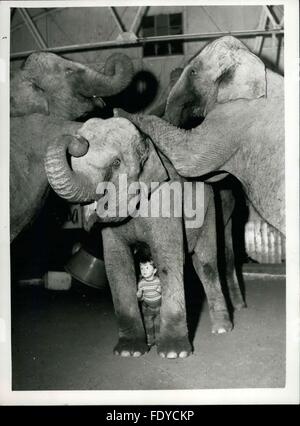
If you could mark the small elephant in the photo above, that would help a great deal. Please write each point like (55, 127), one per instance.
(243, 130)
(46, 95)
(102, 152)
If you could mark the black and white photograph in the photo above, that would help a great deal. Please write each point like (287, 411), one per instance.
(150, 224)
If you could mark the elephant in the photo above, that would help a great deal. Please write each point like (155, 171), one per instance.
(242, 134)
(103, 151)
(159, 110)
(46, 96)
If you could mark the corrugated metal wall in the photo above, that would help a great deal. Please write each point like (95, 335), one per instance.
(263, 243)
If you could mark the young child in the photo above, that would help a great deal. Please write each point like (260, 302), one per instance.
(149, 293)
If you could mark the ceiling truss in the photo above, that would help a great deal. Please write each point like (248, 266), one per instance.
(32, 28)
(268, 25)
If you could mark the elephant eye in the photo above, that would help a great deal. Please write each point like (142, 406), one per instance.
(35, 86)
(69, 71)
(116, 163)
(193, 72)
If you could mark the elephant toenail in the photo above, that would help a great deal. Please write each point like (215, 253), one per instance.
(137, 354)
(183, 354)
(171, 355)
(162, 354)
(125, 353)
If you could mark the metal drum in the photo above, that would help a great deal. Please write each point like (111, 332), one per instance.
(87, 269)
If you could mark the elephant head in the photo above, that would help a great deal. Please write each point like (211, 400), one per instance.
(102, 151)
(225, 70)
(49, 84)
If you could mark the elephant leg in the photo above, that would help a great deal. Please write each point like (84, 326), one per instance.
(234, 289)
(167, 253)
(206, 265)
(121, 275)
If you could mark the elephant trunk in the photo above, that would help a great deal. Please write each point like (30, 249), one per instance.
(173, 114)
(67, 184)
(177, 99)
(118, 72)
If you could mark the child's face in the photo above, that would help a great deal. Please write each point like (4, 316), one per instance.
(147, 269)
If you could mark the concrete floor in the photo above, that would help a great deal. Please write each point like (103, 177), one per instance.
(64, 341)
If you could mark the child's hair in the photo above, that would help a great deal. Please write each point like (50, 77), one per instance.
(142, 262)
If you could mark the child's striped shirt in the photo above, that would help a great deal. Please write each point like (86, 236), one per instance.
(151, 290)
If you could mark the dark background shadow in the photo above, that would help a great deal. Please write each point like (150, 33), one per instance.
(45, 245)
(137, 96)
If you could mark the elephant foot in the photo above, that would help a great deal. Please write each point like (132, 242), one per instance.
(131, 347)
(151, 340)
(237, 301)
(172, 348)
(220, 322)
(238, 305)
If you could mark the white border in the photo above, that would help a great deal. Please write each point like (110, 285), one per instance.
(287, 395)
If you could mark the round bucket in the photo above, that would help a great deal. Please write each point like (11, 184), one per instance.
(87, 269)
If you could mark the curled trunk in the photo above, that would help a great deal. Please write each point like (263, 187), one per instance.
(71, 186)
(118, 72)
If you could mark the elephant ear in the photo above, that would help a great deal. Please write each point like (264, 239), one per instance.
(153, 169)
(241, 75)
(26, 98)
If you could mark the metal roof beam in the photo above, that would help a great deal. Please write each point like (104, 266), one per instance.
(117, 19)
(271, 15)
(141, 12)
(262, 24)
(37, 17)
(267, 15)
(142, 40)
(130, 35)
(12, 13)
(32, 29)
(282, 21)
